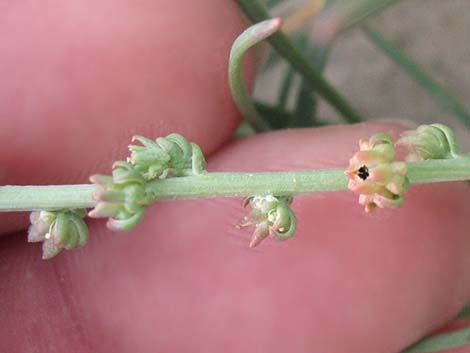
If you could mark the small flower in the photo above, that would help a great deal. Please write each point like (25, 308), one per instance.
(270, 215)
(168, 156)
(41, 222)
(58, 230)
(435, 141)
(121, 197)
(373, 173)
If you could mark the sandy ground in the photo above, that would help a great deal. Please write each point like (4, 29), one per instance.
(434, 32)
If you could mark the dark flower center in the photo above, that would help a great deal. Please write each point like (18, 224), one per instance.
(363, 172)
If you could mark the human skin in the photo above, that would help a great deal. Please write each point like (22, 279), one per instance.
(184, 280)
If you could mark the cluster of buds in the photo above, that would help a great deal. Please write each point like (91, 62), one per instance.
(169, 156)
(121, 197)
(58, 230)
(374, 174)
(271, 216)
(435, 141)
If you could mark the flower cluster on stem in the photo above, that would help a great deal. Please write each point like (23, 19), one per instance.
(271, 216)
(122, 197)
(375, 175)
(58, 230)
(435, 141)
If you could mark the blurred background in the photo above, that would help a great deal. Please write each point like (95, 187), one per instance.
(432, 33)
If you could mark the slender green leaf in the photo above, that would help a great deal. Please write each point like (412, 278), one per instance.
(363, 10)
(284, 46)
(306, 105)
(286, 85)
(343, 15)
(246, 40)
(276, 116)
(273, 3)
(301, 42)
(455, 339)
(441, 94)
(274, 58)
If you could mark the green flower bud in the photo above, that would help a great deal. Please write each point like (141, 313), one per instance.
(40, 223)
(58, 230)
(120, 197)
(271, 216)
(434, 141)
(170, 156)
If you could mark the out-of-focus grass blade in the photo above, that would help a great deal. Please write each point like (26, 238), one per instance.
(244, 130)
(273, 3)
(306, 105)
(302, 44)
(256, 12)
(285, 89)
(274, 58)
(251, 36)
(343, 15)
(306, 101)
(441, 95)
(441, 342)
(276, 116)
(302, 15)
(288, 78)
(368, 9)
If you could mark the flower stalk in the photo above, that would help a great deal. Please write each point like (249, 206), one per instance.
(52, 197)
(172, 168)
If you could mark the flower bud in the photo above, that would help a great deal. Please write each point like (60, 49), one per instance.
(40, 223)
(434, 141)
(270, 215)
(166, 157)
(373, 173)
(58, 230)
(120, 197)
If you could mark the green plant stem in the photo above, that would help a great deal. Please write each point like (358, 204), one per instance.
(284, 46)
(48, 197)
(29, 198)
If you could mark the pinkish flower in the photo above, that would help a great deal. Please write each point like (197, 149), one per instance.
(374, 174)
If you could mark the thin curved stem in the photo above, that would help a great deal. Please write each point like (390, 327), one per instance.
(284, 46)
(240, 94)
